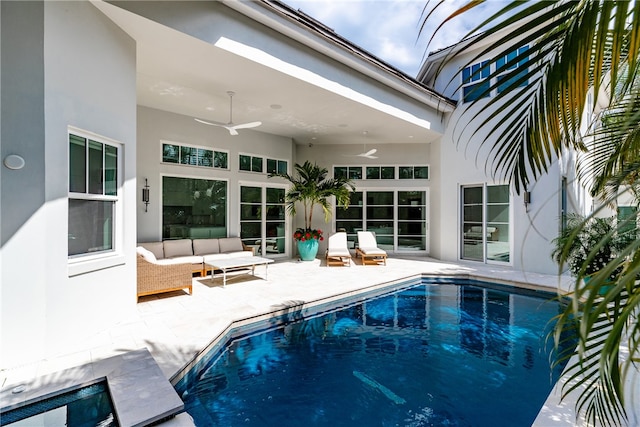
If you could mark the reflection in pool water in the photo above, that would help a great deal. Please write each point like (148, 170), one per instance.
(432, 354)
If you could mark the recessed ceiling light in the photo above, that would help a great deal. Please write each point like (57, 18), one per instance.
(276, 106)
(210, 108)
(410, 136)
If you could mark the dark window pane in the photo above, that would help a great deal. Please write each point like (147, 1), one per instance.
(373, 172)
(413, 198)
(275, 212)
(472, 195)
(411, 228)
(110, 170)
(476, 91)
(421, 172)
(272, 166)
(193, 208)
(380, 198)
(77, 164)
(90, 226)
(189, 156)
(388, 172)
(250, 212)
(275, 195)
(250, 194)
(355, 172)
(170, 153)
(220, 160)
(498, 194)
(405, 172)
(96, 157)
(350, 213)
(340, 172)
(411, 213)
(245, 163)
(256, 164)
(380, 212)
(205, 158)
(249, 230)
(282, 166)
(473, 213)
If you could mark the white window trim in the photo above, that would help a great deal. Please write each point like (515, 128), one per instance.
(86, 263)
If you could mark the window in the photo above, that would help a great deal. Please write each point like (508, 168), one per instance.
(194, 156)
(350, 172)
(380, 172)
(485, 223)
(276, 166)
(475, 81)
(250, 163)
(193, 208)
(93, 195)
(413, 172)
(515, 60)
(512, 69)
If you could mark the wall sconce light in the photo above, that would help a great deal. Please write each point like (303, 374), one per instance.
(527, 197)
(145, 194)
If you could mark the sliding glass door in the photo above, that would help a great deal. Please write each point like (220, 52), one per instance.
(262, 219)
(485, 223)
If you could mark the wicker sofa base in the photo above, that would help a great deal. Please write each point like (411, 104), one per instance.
(157, 279)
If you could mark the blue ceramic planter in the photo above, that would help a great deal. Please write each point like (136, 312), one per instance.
(308, 249)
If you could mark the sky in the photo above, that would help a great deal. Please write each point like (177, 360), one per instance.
(390, 29)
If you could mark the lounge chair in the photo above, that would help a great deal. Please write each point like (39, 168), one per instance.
(338, 251)
(368, 249)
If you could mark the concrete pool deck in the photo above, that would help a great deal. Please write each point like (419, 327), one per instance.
(175, 327)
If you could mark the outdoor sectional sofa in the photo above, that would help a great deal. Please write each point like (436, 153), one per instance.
(169, 265)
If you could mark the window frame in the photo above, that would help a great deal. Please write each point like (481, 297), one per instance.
(191, 146)
(92, 261)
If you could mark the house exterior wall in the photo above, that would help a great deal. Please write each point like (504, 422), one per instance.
(465, 158)
(155, 126)
(53, 77)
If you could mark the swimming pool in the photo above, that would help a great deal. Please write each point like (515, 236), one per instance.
(457, 353)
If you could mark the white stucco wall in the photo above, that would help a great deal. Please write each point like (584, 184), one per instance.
(465, 158)
(155, 126)
(66, 79)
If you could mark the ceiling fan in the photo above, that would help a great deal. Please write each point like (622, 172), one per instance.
(366, 154)
(231, 127)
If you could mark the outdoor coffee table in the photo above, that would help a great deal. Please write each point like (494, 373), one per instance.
(236, 264)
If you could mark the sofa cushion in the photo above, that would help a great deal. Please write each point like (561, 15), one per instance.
(176, 248)
(146, 254)
(196, 260)
(230, 244)
(155, 247)
(205, 246)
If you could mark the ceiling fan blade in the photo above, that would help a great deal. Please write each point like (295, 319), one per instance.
(232, 130)
(210, 123)
(369, 153)
(247, 125)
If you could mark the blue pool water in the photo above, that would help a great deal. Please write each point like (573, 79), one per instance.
(427, 355)
(88, 406)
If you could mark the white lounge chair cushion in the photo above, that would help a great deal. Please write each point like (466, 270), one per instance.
(338, 252)
(372, 251)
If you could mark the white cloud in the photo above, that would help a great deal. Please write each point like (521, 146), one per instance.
(390, 29)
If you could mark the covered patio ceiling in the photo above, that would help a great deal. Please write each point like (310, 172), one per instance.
(185, 75)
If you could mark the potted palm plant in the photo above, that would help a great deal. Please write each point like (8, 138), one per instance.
(310, 187)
